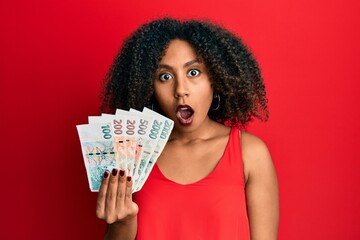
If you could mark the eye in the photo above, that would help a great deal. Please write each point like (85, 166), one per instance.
(165, 77)
(193, 73)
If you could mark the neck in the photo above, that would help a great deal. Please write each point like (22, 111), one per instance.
(206, 131)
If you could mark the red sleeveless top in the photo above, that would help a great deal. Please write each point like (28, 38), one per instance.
(211, 208)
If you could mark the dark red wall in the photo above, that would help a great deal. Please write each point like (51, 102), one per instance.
(54, 54)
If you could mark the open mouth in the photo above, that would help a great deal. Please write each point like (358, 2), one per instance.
(184, 114)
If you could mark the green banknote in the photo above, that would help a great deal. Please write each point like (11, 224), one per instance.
(97, 145)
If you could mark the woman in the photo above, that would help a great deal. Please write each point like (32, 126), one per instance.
(212, 180)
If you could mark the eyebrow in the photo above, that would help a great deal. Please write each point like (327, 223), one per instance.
(187, 64)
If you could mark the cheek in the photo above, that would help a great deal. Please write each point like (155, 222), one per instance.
(208, 93)
(208, 97)
(163, 98)
(160, 96)
(158, 93)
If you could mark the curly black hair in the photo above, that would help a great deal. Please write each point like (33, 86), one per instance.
(233, 70)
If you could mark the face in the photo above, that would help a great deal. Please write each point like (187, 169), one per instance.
(182, 86)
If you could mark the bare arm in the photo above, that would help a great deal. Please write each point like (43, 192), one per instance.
(261, 189)
(115, 206)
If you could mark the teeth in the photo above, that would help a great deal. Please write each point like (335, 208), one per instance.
(185, 112)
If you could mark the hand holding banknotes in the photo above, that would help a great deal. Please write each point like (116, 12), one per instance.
(114, 203)
(119, 153)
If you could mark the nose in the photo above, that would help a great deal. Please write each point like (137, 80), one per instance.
(181, 88)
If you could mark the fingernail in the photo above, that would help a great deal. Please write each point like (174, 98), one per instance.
(114, 172)
(122, 173)
(106, 174)
(128, 178)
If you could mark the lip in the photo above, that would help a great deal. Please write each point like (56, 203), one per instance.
(182, 120)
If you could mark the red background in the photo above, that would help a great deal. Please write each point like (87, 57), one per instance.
(54, 54)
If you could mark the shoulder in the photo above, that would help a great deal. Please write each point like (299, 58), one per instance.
(252, 145)
(256, 156)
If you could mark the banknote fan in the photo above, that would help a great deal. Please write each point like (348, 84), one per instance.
(130, 140)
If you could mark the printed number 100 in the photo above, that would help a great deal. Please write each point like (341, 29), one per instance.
(106, 131)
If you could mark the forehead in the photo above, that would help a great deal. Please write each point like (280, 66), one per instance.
(178, 51)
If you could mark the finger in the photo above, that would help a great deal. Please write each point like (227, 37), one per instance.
(130, 205)
(128, 191)
(111, 193)
(121, 190)
(100, 204)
